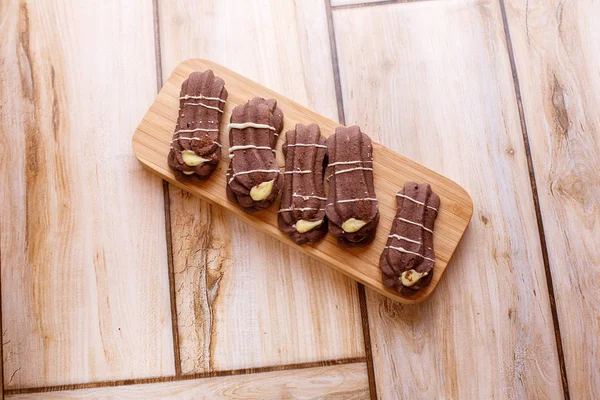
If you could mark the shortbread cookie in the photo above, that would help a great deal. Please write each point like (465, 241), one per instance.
(302, 208)
(352, 207)
(253, 178)
(408, 258)
(196, 148)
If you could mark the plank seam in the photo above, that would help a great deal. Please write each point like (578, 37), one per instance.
(1, 331)
(374, 4)
(362, 298)
(167, 206)
(335, 64)
(364, 317)
(536, 203)
(185, 377)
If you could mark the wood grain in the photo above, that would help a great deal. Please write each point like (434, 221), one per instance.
(433, 81)
(557, 55)
(244, 299)
(334, 382)
(151, 146)
(84, 284)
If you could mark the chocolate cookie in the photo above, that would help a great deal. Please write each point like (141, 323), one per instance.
(407, 260)
(352, 208)
(302, 208)
(196, 148)
(253, 178)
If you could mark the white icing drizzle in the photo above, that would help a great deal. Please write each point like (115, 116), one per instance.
(403, 250)
(353, 169)
(415, 201)
(353, 200)
(250, 146)
(306, 145)
(300, 209)
(308, 171)
(193, 138)
(188, 97)
(348, 162)
(403, 238)
(251, 171)
(309, 197)
(204, 105)
(415, 223)
(249, 125)
(196, 130)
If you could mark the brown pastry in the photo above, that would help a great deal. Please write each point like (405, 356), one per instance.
(253, 178)
(302, 208)
(352, 208)
(196, 148)
(407, 260)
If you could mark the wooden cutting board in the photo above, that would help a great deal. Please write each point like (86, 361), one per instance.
(151, 142)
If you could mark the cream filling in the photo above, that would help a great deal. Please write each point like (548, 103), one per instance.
(303, 226)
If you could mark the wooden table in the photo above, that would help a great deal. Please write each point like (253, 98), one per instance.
(116, 285)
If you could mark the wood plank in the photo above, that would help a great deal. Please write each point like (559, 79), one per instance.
(334, 382)
(151, 144)
(433, 80)
(85, 292)
(227, 318)
(557, 54)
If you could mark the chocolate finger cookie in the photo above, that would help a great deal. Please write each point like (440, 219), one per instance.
(407, 260)
(196, 148)
(302, 209)
(253, 178)
(352, 208)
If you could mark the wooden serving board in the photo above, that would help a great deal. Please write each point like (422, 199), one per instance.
(151, 142)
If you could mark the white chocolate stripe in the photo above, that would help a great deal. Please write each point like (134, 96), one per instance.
(203, 105)
(188, 97)
(309, 197)
(249, 125)
(415, 201)
(196, 130)
(403, 250)
(403, 238)
(415, 223)
(193, 138)
(250, 146)
(353, 169)
(308, 171)
(300, 209)
(306, 145)
(266, 171)
(353, 200)
(348, 162)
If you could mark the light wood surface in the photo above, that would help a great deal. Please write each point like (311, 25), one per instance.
(348, 382)
(151, 146)
(83, 255)
(84, 279)
(557, 53)
(243, 298)
(443, 95)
